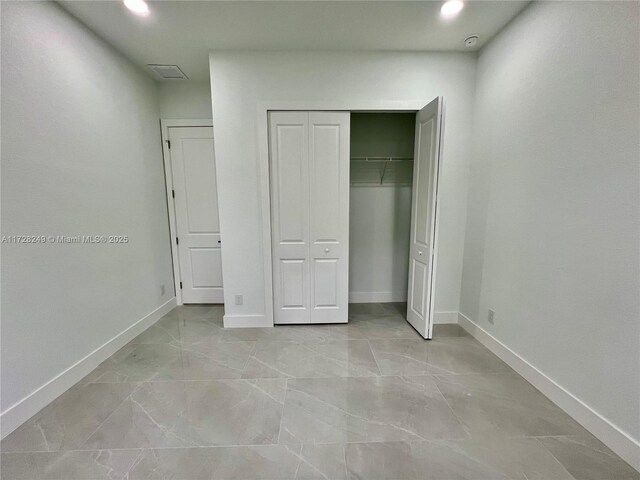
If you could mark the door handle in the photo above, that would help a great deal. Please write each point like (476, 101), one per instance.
(326, 250)
(419, 252)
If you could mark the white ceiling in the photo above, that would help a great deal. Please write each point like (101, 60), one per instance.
(183, 32)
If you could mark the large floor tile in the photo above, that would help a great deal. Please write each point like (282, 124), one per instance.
(165, 330)
(244, 334)
(380, 461)
(449, 330)
(401, 357)
(212, 360)
(66, 423)
(376, 327)
(199, 413)
(335, 410)
(273, 462)
(198, 463)
(295, 333)
(443, 460)
(462, 355)
(586, 458)
(303, 333)
(273, 388)
(191, 312)
(329, 359)
(71, 465)
(140, 363)
(322, 462)
(384, 319)
(396, 308)
(439, 356)
(194, 330)
(503, 405)
(185, 324)
(488, 458)
(356, 309)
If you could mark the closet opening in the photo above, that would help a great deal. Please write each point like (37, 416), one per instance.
(354, 214)
(381, 165)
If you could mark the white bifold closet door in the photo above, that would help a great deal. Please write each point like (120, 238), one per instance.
(424, 218)
(309, 165)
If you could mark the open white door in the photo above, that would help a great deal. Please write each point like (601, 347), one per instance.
(424, 218)
(196, 206)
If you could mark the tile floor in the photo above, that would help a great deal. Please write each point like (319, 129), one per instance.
(370, 400)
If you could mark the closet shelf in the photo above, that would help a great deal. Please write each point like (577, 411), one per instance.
(382, 159)
(381, 171)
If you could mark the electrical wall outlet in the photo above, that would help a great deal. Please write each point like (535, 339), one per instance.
(491, 317)
(239, 299)
(162, 290)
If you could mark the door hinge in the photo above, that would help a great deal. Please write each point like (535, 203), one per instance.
(180, 285)
(169, 144)
(177, 242)
(173, 193)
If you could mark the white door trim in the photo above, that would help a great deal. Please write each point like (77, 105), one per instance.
(165, 124)
(263, 108)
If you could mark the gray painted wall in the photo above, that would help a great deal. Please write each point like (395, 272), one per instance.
(80, 156)
(552, 242)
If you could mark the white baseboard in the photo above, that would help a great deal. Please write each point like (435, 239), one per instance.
(23, 410)
(377, 297)
(611, 435)
(252, 321)
(445, 317)
(246, 321)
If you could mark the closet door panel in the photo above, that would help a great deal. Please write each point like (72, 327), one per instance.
(425, 168)
(329, 215)
(289, 168)
(292, 176)
(326, 293)
(424, 219)
(418, 281)
(293, 273)
(325, 185)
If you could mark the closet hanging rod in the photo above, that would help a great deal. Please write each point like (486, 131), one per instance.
(382, 159)
(378, 184)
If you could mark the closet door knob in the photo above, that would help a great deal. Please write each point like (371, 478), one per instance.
(326, 250)
(419, 253)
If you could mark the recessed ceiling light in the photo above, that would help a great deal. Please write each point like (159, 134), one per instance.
(451, 8)
(139, 7)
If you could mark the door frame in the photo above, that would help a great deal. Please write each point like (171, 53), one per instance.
(264, 184)
(165, 125)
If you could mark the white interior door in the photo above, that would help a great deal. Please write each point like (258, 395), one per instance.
(196, 206)
(424, 216)
(309, 166)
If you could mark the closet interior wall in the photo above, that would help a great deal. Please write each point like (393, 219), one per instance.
(382, 149)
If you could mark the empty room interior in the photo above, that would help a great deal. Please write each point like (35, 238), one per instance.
(320, 240)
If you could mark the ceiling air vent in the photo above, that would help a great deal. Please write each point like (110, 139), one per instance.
(168, 72)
